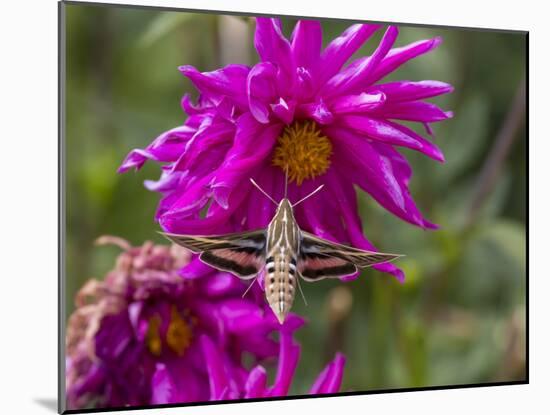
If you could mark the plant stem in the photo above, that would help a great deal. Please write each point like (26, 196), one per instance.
(498, 154)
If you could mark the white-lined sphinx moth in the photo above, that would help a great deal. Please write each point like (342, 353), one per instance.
(286, 253)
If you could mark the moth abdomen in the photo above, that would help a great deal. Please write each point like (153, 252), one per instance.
(281, 274)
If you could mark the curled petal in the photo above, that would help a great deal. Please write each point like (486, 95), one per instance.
(193, 199)
(212, 133)
(168, 181)
(261, 90)
(284, 111)
(165, 148)
(305, 84)
(229, 81)
(188, 106)
(330, 379)
(255, 386)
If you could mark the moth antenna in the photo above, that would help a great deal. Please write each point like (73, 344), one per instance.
(263, 191)
(286, 182)
(301, 292)
(249, 287)
(308, 196)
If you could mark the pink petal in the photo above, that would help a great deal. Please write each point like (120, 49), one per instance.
(273, 47)
(330, 379)
(306, 43)
(165, 148)
(357, 103)
(217, 374)
(384, 174)
(398, 56)
(420, 111)
(342, 48)
(318, 111)
(288, 360)
(411, 91)
(348, 200)
(390, 133)
(284, 111)
(261, 90)
(358, 75)
(255, 386)
(229, 81)
(253, 143)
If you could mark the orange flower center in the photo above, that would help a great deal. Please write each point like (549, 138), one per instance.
(153, 340)
(303, 151)
(178, 335)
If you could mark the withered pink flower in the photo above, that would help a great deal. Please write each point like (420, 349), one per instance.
(144, 335)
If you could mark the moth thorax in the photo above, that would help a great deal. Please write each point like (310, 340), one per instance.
(280, 287)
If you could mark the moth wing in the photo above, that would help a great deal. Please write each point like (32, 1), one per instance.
(315, 267)
(200, 243)
(240, 253)
(320, 258)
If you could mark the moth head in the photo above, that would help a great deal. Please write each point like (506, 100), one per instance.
(284, 204)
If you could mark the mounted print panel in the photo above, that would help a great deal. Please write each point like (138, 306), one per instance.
(261, 207)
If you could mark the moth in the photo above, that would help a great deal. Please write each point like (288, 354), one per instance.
(285, 251)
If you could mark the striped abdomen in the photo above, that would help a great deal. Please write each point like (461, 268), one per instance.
(282, 247)
(280, 287)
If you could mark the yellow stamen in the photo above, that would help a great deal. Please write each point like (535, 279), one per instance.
(179, 334)
(153, 340)
(303, 150)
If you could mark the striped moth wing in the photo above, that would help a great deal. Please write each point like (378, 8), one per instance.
(321, 259)
(242, 253)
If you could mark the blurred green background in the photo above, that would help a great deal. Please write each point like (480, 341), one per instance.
(460, 315)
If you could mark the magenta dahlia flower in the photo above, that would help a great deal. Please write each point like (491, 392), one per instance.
(145, 335)
(304, 110)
